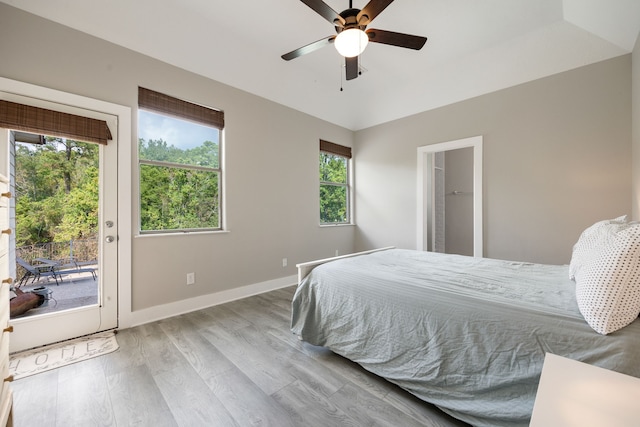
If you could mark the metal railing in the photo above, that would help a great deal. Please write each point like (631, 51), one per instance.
(74, 251)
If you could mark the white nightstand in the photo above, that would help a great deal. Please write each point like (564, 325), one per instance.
(576, 394)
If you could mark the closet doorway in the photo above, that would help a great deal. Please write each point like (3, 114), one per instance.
(449, 218)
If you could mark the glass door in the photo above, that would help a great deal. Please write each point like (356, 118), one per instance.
(64, 211)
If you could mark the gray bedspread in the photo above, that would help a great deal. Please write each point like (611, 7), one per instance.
(466, 334)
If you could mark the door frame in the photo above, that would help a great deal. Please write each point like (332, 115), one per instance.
(123, 115)
(423, 179)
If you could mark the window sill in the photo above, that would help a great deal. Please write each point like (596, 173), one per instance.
(350, 224)
(180, 233)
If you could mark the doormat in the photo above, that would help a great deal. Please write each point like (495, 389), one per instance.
(53, 356)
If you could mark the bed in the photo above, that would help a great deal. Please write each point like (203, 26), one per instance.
(466, 334)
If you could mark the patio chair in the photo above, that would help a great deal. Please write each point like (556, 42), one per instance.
(36, 271)
(71, 265)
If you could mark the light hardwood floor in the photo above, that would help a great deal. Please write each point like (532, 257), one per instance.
(235, 364)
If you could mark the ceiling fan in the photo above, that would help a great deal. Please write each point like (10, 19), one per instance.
(351, 38)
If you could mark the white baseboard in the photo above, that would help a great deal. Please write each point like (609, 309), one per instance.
(164, 311)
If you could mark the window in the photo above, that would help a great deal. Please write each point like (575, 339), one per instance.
(179, 164)
(335, 161)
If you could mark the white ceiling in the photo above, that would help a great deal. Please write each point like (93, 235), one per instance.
(474, 46)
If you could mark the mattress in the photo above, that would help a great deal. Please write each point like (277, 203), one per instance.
(466, 334)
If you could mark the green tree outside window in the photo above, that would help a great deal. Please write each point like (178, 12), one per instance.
(56, 187)
(334, 189)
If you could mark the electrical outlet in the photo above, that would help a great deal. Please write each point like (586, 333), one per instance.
(284, 262)
(191, 278)
(336, 252)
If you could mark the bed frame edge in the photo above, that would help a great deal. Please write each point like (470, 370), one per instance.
(305, 268)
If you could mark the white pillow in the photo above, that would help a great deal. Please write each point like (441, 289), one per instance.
(608, 282)
(589, 239)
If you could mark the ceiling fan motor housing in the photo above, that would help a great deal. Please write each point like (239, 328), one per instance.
(350, 17)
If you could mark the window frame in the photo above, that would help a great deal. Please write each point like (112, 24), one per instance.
(175, 110)
(345, 153)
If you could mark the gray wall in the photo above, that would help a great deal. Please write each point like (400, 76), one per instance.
(635, 76)
(271, 157)
(556, 159)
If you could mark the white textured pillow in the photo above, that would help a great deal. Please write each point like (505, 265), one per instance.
(608, 282)
(590, 238)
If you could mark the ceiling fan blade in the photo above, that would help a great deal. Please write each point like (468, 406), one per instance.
(352, 67)
(371, 10)
(396, 39)
(324, 10)
(308, 48)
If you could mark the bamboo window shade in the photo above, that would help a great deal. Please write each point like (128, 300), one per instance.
(331, 148)
(52, 123)
(161, 103)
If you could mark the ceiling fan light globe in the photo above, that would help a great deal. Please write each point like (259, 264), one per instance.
(351, 42)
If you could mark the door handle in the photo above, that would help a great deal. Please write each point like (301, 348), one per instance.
(109, 239)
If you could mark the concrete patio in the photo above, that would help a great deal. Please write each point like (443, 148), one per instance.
(75, 290)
